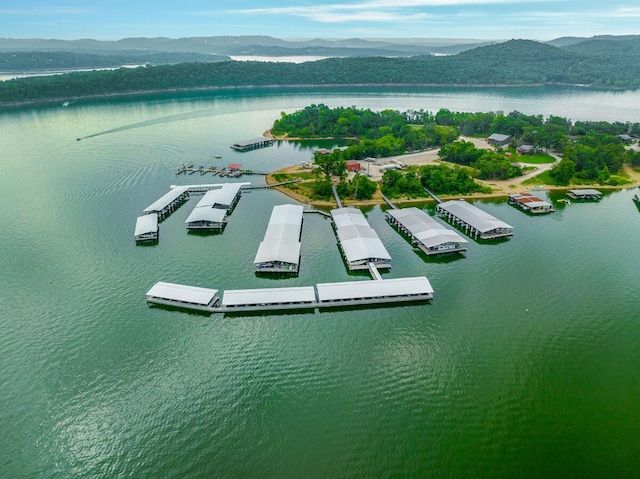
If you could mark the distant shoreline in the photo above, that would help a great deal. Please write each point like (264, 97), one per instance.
(129, 94)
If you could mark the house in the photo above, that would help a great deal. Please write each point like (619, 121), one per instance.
(353, 165)
(498, 139)
(526, 149)
(625, 138)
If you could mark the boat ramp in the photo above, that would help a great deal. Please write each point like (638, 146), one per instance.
(473, 220)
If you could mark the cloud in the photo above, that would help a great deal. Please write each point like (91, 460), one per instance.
(381, 11)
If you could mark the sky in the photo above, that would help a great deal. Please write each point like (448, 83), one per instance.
(290, 19)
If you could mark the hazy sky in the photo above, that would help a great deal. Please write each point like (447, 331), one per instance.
(483, 19)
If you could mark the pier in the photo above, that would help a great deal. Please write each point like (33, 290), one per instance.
(253, 144)
(336, 196)
(426, 233)
(473, 220)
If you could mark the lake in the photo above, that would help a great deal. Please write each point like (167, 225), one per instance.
(524, 365)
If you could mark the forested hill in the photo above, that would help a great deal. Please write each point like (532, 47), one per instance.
(516, 62)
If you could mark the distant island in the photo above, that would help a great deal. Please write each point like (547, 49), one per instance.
(609, 62)
(407, 155)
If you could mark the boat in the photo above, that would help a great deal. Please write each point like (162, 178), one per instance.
(217, 156)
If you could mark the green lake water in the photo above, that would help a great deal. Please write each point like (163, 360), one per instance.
(526, 364)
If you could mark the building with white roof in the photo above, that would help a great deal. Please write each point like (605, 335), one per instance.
(279, 251)
(473, 220)
(359, 243)
(146, 228)
(207, 218)
(425, 232)
(168, 202)
(268, 298)
(179, 295)
(380, 291)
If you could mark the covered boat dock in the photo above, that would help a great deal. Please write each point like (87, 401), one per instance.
(279, 251)
(207, 218)
(376, 291)
(146, 228)
(530, 203)
(299, 297)
(169, 202)
(585, 194)
(253, 143)
(359, 243)
(179, 295)
(473, 220)
(425, 232)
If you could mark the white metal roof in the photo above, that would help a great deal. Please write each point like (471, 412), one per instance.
(374, 289)
(166, 199)
(586, 192)
(473, 216)
(425, 228)
(359, 241)
(227, 193)
(146, 224)
(214, 215)
(208, 199)
(252, 141)
(281, 240)
(181, 292)
(242, 297)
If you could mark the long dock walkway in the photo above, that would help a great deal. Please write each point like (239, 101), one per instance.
(389, 202)
(335, 195)
(433, 195)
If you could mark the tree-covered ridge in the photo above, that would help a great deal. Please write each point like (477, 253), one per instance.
(37, 61)
(517, 62)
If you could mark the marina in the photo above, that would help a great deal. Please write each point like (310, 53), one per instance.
(585, 194)
(252, 144)
(425, 232)
(530, 203)
(279, 251)
(473, 220)
(146, 228)
(358, 242)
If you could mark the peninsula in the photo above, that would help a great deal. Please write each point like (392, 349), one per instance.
(402, 155)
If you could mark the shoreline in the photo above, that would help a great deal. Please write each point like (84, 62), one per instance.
(501, 189)
(129, 94)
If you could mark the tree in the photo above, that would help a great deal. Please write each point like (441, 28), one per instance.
(564, 171)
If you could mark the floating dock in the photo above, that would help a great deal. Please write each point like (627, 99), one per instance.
(359, 243)
(206, 218)
(265, 299)
(585, 194)
(530, 203)
(279, 251)
(473, 220)
(323, 295)
(169, 202)
(252, 144)
(146, 228)
(426, 233)
(182, 296)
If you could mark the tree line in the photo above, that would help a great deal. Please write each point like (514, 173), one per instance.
(516, 62)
